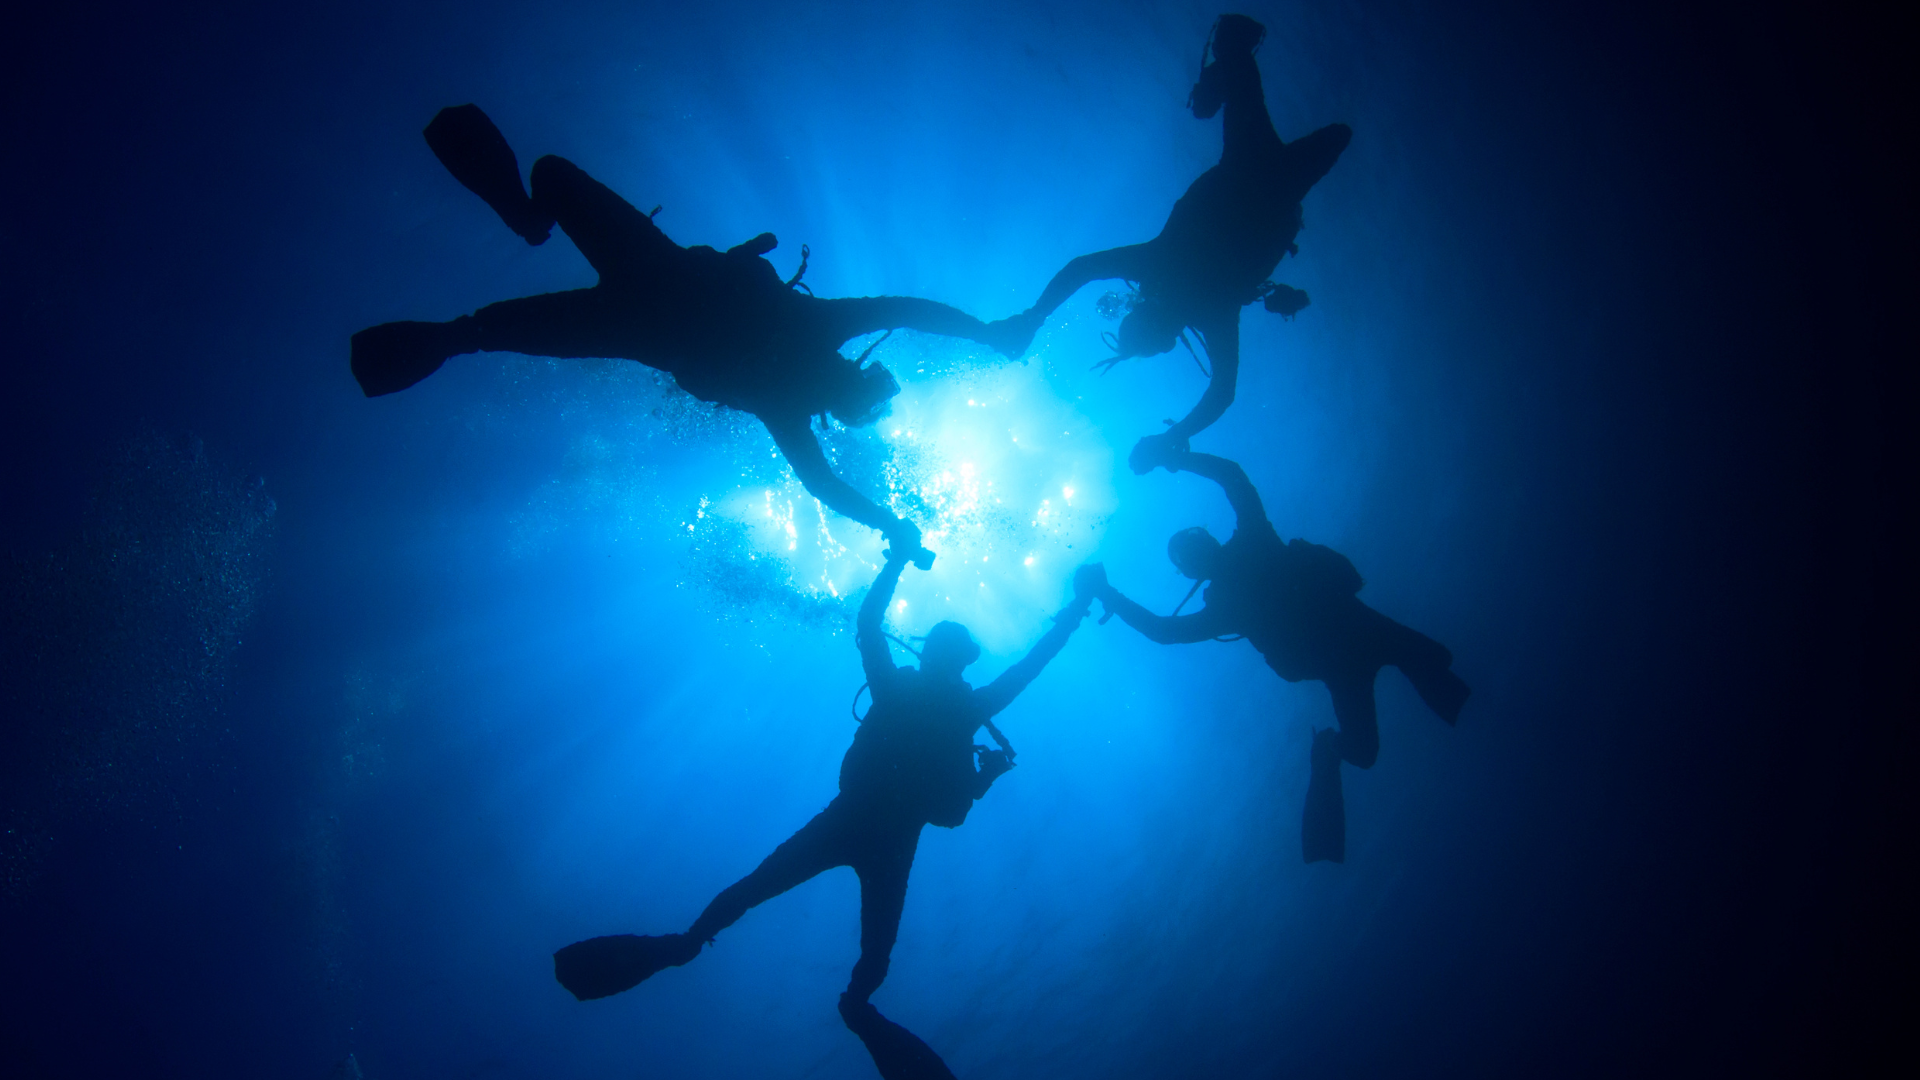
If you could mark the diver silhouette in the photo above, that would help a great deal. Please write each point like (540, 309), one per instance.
(913, 763)
(1220, 243)
(1297, 603)
(723, 324)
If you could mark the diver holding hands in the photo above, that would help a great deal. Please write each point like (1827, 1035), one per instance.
(913, 763)
(723, 324)
(1222, 240)
(1296, 602)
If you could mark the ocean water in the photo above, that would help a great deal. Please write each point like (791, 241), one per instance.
(334, 717)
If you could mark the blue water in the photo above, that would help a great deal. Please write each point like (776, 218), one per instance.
(342, 714)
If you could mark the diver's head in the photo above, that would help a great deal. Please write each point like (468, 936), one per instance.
(1151, 328)
(949, 649)
(1195, 552)
(863, 393)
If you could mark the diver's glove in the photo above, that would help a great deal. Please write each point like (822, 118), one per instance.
(993, 764)
(1154, 451)
(904, 543)
(1012, 336)
(1090, 582)
(1283, 300)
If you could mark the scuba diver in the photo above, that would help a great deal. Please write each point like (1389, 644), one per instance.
(913, 763)
(1297, 603)
(1223, 239)
(723, 324)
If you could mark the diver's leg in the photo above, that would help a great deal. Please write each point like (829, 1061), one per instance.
(883, 866)
(899, 1054)
(819, 846)
(1323, 821)
(473, 150)
(1426, 663)
(1353, 707)
(576, 324)
(599, 967)
(1233, 79)
(622, 243)
(581, 323)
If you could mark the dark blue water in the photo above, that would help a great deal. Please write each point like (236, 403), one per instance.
(334, 717)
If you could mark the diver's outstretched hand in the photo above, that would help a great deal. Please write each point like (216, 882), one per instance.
(1155, 451)
(1090, 582)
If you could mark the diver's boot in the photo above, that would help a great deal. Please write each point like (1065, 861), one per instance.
(474, 151)
(603, 966)
(1236, 36)
(899, 1054)
(1323, 824)
(1234, 39)
(393, 356)
(1443, 691)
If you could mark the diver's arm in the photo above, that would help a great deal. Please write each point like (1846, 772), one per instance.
(1223, 352)
(1245, 499)
(1128, 263)
(999, 693)
(794, 436)
(1202, 625)
(876, 656)
(849, 317)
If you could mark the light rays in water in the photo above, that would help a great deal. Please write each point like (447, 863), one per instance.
(1009, 483)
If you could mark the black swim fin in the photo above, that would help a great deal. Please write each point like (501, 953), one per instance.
(1308, 158)
(473, 150)
(1323, 824)
(390, 357)
(604, 966)
(899, 1054)
(1443, 691)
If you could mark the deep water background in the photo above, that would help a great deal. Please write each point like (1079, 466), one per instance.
(403, 694)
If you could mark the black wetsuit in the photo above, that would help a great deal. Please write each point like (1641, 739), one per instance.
(1224, 237)
(1296, 602)
(911, 765)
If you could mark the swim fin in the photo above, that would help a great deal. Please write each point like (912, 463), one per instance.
(1308, 158)
(1443, 691)
(390, 357)
(899, 1054)
(604, 966)
(1323, 824)
(473, 150)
